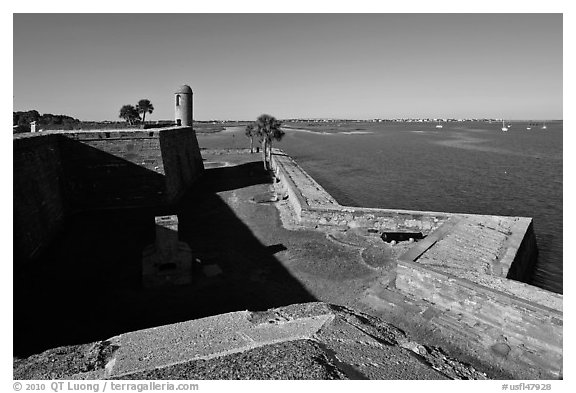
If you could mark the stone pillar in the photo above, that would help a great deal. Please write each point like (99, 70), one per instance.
(183, 106)
(168, 261)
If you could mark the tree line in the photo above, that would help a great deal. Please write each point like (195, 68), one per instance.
(21, 121)
(265, 129)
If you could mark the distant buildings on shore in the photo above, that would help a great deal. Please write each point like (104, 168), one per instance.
(402, 120)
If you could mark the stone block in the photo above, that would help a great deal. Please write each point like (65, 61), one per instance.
(212, 270)
(168, 261)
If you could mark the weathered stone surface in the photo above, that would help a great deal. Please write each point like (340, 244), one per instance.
(332, 341)
(482, 316)
(501, 349)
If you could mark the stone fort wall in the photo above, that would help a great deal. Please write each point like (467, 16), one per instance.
(511, 321)
(39, 202)
(467, 272)
(57, 174)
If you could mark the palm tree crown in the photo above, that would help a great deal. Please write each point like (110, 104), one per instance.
(144, 106)
(129, 113)
(249, 131)
(268, 129)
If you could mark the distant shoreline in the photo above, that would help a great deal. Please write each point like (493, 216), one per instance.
(336, 132)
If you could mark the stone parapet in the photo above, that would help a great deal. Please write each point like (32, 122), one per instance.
(497, 322)
(314, 206)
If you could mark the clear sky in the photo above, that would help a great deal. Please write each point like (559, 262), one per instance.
(291, 65)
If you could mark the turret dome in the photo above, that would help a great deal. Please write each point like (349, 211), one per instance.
(184, 89)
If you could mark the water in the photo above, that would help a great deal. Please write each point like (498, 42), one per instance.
(463, 167)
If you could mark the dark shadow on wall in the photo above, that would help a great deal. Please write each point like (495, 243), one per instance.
(525, 264)
(84, 179)
(95, 179)
(87, 286)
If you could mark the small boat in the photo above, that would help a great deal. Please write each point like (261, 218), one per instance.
(528, 128)
(504, 128)
(438, 125)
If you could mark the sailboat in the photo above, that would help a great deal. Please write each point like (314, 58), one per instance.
(544, 126)
(504, 128)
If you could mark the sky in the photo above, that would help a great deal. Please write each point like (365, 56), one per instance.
(291, 65)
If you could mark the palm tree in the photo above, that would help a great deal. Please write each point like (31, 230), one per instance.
(144, 106)
(251, 132)
(129, 113)
(276, 134)
(268, 129)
